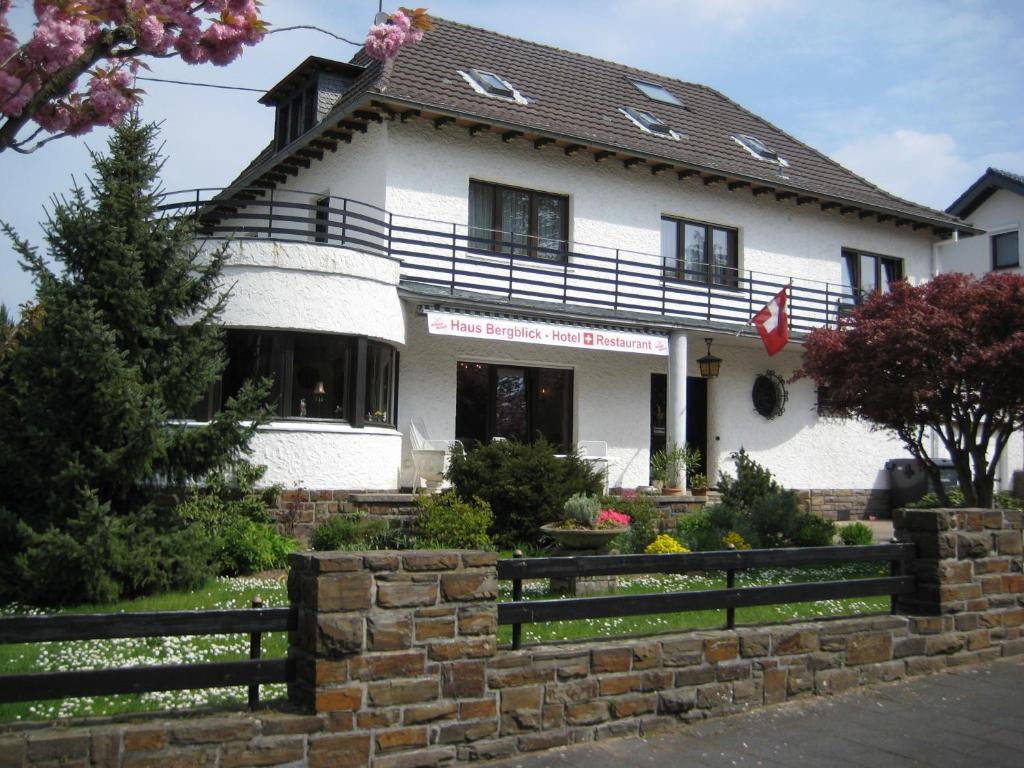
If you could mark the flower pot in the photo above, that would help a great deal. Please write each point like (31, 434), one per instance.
(671, 490)
(582, 538)
(698, 491)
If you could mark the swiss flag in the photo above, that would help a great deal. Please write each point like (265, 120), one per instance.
(773, 323)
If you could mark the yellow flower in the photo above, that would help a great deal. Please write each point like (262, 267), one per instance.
(733, 540)
(665, 545)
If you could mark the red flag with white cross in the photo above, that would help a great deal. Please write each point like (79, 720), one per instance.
(773, 323)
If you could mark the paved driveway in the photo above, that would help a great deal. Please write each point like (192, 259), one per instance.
(971, 716)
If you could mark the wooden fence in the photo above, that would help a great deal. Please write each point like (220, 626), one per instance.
(519, 612)
(168, 677)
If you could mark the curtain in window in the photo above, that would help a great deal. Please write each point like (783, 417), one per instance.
(670, 246)
(481, 216)
(515, 221)
(550, 227)
(694, 265)
(722, 248)
(380, 366)
(890, 273)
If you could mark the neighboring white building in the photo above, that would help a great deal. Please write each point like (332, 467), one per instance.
(498, 238)
(994, 205)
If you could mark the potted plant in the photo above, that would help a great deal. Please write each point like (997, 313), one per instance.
(672, 463)
(698, 484)
(586, 525)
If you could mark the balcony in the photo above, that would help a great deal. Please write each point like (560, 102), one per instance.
(442, 258)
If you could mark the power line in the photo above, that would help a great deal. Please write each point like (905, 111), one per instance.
(203, 85)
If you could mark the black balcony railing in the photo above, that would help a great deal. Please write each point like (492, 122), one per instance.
(461, 259)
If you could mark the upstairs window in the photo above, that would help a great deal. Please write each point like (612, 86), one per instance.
(490, 84)
(699, 252)
(656, 92)
(759, 149)
(518, 222)
(864, 273)
(1006, 250)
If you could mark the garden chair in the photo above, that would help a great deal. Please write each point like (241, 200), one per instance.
(430, 458)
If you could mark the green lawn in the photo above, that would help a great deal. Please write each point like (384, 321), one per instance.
(668, 622)
(125, 652)
(238, 593)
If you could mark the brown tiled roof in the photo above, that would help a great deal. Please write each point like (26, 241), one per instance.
(579, 96)
(981, 190)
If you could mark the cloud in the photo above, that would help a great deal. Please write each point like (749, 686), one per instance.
(924, 167)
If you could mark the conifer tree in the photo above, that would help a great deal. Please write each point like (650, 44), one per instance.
(122, 341)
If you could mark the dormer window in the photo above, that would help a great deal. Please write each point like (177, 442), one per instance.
(648, 122)
(656, 92)
(759, 149)
(490, 84)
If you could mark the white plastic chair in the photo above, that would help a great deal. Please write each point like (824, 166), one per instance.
(430, 458)
(595, 453)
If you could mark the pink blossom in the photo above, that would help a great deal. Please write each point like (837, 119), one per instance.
(58, 40)
(15, 93)
(153, 37)
(400, 20)
(610, 515)
(383, 41)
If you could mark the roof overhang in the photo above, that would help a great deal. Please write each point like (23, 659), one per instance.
(313, 64)
(981, 190)
(355, 114)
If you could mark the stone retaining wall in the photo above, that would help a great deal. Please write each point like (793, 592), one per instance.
(297, 512)
(846, 503)
(397, 662)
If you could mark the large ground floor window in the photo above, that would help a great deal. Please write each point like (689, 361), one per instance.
(513, 402)
(313, 375)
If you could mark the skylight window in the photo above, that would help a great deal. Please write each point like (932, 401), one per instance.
(759, 149)
(656, 92)
(490, 84)
(648, 122)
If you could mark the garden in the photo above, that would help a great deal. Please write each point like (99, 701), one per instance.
(509, 497)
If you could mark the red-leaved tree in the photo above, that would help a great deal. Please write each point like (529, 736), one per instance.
(76, 71)
(943, 358)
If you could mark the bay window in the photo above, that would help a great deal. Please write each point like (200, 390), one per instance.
(316, 376)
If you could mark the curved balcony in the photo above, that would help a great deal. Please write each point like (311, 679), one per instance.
(448, 258)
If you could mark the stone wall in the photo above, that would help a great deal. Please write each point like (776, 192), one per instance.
(397, 662)
(846, 503)
(298, 511)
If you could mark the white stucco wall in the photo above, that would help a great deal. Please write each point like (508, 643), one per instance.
(618, 208)
(611, 400)
(328, 456)
(1002, 212)
(314, 288)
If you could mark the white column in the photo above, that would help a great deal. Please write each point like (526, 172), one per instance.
(676, 417)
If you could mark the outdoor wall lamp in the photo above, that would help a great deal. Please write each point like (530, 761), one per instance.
(710, 366)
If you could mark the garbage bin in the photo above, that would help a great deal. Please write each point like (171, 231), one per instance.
(908, 481)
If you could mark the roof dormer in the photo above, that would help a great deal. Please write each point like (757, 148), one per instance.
(306, 95)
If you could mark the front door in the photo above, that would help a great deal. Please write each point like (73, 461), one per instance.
(696, 414)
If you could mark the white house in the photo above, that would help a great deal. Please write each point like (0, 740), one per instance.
(495, 238)
(994, 205)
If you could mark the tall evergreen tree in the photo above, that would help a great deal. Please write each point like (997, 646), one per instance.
(122, 339)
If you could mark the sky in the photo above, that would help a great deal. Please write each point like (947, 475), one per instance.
(918, 96)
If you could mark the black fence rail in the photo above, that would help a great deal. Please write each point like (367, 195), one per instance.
(457, 258)
(519, 612)
(253, 672)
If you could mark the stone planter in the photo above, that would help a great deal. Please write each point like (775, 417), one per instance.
(570, 538)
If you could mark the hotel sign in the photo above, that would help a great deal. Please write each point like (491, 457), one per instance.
(502, 329)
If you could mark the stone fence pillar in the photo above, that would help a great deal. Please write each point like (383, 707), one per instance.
(968, 570)
(393, 645)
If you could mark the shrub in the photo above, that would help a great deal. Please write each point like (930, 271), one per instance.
(664, 545)
(1004, 500)
(733, 540)
(931, 500)
(349, 531)
(526, 485)
(644, 521)
(752, 482)
(234, 516)
(582, 509)
(698, 532)
(856, 534)
(448, 522)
